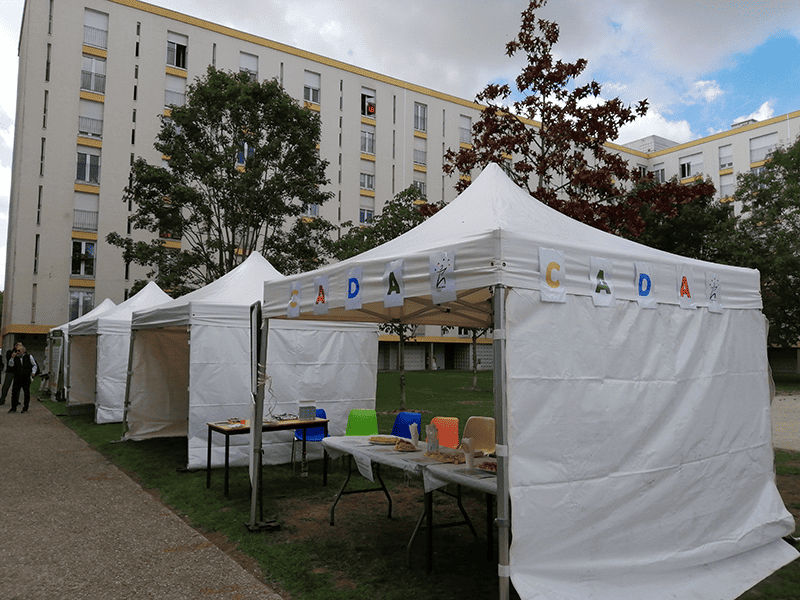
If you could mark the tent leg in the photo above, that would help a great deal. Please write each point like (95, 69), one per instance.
(501, 416)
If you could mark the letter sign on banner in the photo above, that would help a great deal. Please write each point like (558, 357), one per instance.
(443, 278)
(686, 288)
(713, 292)
(321, 289)
(353, 297)
(552, 275)
(600, 274)
(394, 292)
(645, 292)
(293, 308)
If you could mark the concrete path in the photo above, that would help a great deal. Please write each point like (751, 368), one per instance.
(73, 526)
(786, 422)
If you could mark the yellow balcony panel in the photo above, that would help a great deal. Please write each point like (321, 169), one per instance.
(506, 156)
(420, 134)
(691, 179)
(726, 200)
(92, 96)
(87, 189)
(421, 168)
(171, 244)
(176, 72)
(369, 157)
(465, 177)
(84, 235)
(167, 112)
(368, 120)
(758, 164)
(85, 283)
(368, 193)
(312, 106)
(91, 142)
(27, 328)
(465, 145)
(99, 52)
(728, 171)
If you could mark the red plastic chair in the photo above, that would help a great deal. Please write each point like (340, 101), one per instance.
(448, 430)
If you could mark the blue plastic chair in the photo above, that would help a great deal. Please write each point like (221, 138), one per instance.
(402, 422)
(362, 421)
(313, 434)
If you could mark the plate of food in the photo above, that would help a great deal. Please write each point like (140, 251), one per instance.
(446, 457)
(404, 445)
(489, 467)
(382, 440)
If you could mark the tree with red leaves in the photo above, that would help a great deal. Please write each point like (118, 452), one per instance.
(558, 134)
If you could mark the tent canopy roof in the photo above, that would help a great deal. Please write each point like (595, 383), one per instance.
(118, 318)
(101, 308)
(494, 233)
(224, 301)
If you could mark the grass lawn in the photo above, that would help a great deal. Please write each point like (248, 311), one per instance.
(364, 554)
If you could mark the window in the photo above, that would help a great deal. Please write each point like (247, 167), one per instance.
(421, 186)
(44, 115)
(726, 185)
(177, 49)
(41, 158)
(82, 258)
(368, 139)
(726, 157)
(95, 29)
(39, 206)
(174, 91)
(90, 118)
(420, 116)
(762, 146)
(313, 83)
(365, 215)
(247, 151)
(248, 63)
(93, 74)
(88, 167)
(47, 63)
(36, 255)
(367, 181)
(420, 151)
(691, 165)
(465, 129)
(80, 303)
(310, 210)
(85, 210)
(658, 173)
(368, 103)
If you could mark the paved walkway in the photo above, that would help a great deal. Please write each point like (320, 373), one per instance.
(73, 526)
(786, 422)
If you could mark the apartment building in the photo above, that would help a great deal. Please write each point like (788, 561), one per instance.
(96, 75)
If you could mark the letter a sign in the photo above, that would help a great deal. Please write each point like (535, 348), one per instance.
(394, 292)
(686, 288)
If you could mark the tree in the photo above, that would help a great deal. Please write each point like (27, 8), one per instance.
(768, 238)
(400, 214)
(564, 161)
(243, 166)
(701, 227)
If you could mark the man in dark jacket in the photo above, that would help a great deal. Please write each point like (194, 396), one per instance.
(24, 367)
(9, 374)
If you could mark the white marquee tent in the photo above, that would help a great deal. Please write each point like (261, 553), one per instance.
(631, 393)
(56, 352)
(98, 356)
(190, 364)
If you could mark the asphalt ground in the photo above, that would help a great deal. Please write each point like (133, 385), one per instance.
(73, 526)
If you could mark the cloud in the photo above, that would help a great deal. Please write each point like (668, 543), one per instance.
(703, 91)
(765, 111)
(654, 123)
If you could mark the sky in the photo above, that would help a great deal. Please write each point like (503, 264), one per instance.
(702, 67)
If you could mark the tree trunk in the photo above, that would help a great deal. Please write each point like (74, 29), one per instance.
(475, 358)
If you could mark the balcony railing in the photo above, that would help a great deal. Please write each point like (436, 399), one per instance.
(174, 98)
(89, 126)
(84, 220)
(92, 36)
(94, 82)
(420, 157)
(464, 135)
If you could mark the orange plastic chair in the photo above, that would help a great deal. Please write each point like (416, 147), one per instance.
(481, 431)
(448, 430)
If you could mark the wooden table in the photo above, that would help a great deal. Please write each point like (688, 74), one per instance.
(228, 429)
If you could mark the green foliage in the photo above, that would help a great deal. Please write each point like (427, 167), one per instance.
(243, 164)
(768, 238)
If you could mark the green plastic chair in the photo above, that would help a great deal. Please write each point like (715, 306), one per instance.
(362, 421)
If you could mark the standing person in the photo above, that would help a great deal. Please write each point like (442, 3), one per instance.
(25, 368)
(9, 373)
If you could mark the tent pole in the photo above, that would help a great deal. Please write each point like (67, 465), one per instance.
(127, 402)
(501, 433)
(258, 415)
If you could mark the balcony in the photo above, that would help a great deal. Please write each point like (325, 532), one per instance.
(91, 127)
(84, 220)
(174, 98)
(94, 82)
(92, 36)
